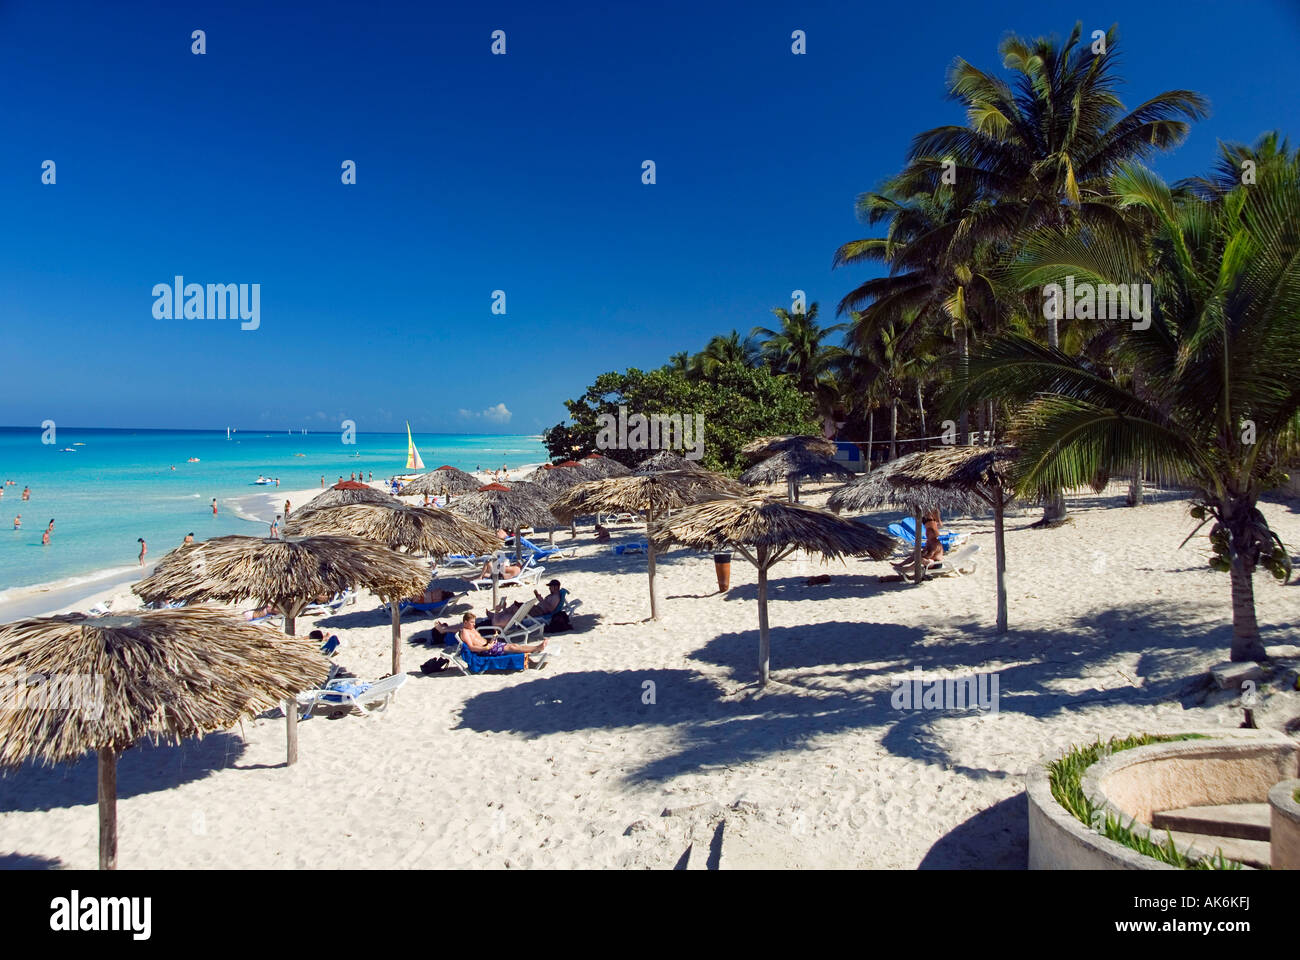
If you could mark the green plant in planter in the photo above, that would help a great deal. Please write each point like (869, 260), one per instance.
(1065, 777)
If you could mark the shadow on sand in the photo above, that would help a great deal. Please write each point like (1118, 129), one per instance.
(143, 769)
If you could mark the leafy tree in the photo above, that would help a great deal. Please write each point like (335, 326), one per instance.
(738, 403)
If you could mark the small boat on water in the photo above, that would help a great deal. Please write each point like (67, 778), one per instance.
(192, 460)
(263, 481)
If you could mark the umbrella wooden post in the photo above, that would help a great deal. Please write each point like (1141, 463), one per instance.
(764, 637)
(650, 568)
(1000, 564)
(494, 583)
(107, 809)
(290, 712)
(918, 572)
(395, 603)
(789, 489)
(519, 550)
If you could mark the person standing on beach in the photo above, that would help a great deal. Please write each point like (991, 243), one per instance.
(143, 549)
(286, 509)
(214, 506)
(322, 482)
(275, 528)
(372, 476)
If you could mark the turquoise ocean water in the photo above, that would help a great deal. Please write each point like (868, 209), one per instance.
(118, 485)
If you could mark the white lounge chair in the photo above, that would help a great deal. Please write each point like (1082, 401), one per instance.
(351, 692)
(529, 576)
(960, 561)
(335, 604)
(519, 629)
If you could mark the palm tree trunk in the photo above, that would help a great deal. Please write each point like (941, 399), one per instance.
(1054, 509)
(1246, 644)
(963, 420)
(1134, 498)
(871, 435)
(893, 428)
(764, 638)
(920, 407)
(650, 565)
(979, 423)
(1000, 562)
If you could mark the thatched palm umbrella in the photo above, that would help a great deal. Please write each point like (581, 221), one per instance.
(401, 527)
(349, 491)
(158, 674)
(985, 473)
(765, 530)
(504, 508)
(601, 466)
(663, 461)
(764, 447)
(877, 488)
(791, 465)
(288, 574)
(654, 493)
(445, 479)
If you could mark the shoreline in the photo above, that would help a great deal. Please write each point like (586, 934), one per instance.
(82, 591)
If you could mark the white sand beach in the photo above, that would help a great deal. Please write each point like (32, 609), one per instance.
(1112, 628)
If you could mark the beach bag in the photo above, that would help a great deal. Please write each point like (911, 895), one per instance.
(436, 665)
(559, 622)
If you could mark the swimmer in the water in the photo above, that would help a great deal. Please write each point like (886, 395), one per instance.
(189, 538)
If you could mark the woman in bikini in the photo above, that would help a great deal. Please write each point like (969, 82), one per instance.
(932, 551)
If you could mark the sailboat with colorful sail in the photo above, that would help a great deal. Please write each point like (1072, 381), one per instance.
(413, 461)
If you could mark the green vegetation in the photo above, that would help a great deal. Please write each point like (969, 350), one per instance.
(1065, 777)
(737, 403)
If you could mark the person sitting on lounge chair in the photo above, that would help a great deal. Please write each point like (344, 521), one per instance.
(932, 551)
(477, 643)
(508, 570)
(548, 604)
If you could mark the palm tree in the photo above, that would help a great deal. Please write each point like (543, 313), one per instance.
(1039, 151)
(1219, 367)
(798, 347)
(885, 347)
(726, 349)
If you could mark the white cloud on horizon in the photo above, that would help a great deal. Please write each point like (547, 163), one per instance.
(496, 414)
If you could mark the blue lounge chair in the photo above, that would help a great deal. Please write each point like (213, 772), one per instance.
(539, 553)
(470, 662)
(907, 528)
(434, 608)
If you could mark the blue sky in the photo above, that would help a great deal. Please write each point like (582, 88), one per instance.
(478, 173)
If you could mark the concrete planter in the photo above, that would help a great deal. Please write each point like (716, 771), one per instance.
(1237, 766)
(1284, 822)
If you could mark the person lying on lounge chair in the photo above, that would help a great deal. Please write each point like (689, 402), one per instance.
(477, 643)
(932, 552)
(260, 612)
(432, 595)
(507, 571)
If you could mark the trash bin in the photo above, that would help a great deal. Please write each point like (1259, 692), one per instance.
(722, 567)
